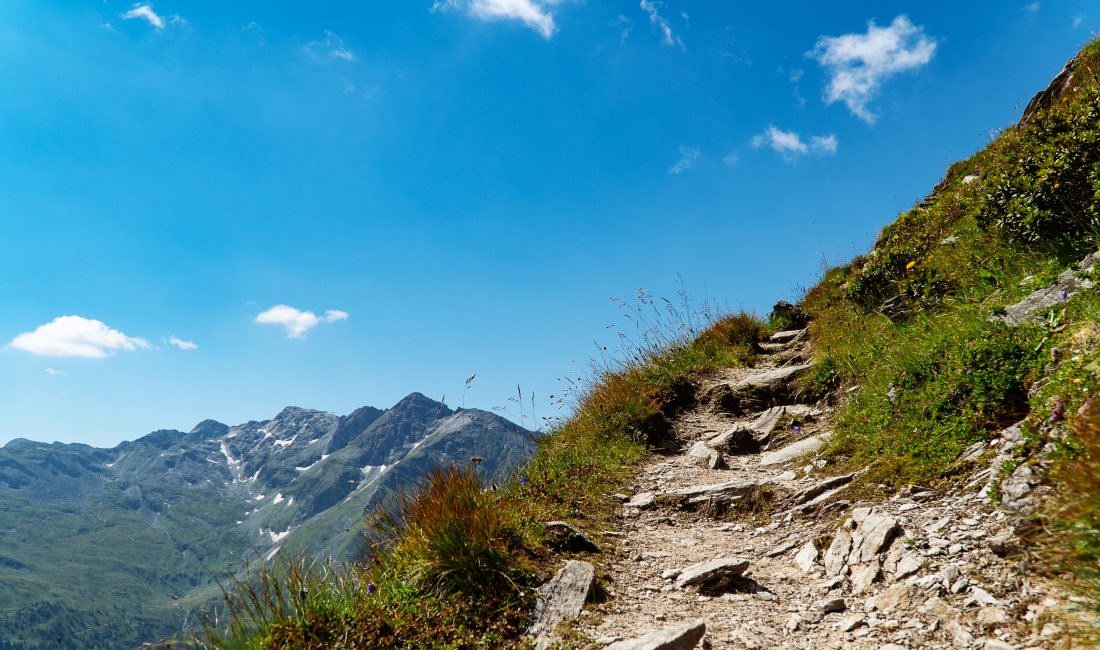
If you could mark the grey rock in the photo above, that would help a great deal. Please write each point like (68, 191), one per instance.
(812, 616)
(959, 634)
(996, 644)
(701, 454)
(783, 548)
(1063, 288)
(807, 556)
(979, 596)
(794, 450)
(737, 441)
(896, 598)
(728, 489)
(851, 622)
(864, 575)
(561, 599)
(909, 564)
(567, 537)
(832, 605)
(1057, 87)
(714, 575)
(817, 489)
(771, 378)
(676, 637)
(1017, 486)
(642, 501)
(836, 557)
(871, 537)
(1005, 543)
(787, 336)
(992, 616)
(973, 453)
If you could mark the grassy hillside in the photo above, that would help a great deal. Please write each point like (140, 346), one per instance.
(906, 336)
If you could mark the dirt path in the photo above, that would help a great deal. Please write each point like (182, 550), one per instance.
(920, 570)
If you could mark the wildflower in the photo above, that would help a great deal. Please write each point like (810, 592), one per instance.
(1058, 410)
(796, 428)
(910, 265)
(1065, 294)
(371, 589)
(523, 480)
(1056, 185)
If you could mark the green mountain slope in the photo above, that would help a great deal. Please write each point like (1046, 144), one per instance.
(113, 547)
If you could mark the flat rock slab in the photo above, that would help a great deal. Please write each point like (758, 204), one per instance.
(676, 637)
(811, 492)
(787, 336)
(772, 377)
(642, 501)
(794, 450)
(713, 575)
(561, 599)
(1064, 287)
(728, 489)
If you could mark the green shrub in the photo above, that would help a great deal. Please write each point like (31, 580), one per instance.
(452, 537)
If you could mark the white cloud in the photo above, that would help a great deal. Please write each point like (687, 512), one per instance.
(731, 159)
(182, 344)
(332, 46)
(857, 64)
(791, 146)
(55, 372)
(1078, 21)
(297, 322)
(824, 145)
(1032, 7)
(75, 336)
(532, 13)
(668, 37)
(688, 157)
(144, 11)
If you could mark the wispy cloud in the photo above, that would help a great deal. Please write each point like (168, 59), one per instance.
(794, 76)
(791, 146)
(626, 27)
(182, 344)
(75, 336)
(55, 372)
(297, 322)
(1032, 7)
(730, 159)
(332, 46)
(532, 13)
(144, 11)
(688, 157)
(1078, 21)
(857, 64)
(661, 24)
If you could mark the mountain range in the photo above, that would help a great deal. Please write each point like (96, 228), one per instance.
(114, 547)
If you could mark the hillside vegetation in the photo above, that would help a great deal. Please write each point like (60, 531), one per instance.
(909, 345)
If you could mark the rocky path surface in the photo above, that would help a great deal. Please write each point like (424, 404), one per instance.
(745, 539)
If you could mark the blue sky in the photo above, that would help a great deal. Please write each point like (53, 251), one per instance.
(218, 209)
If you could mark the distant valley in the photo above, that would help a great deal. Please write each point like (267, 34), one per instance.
(113, 547)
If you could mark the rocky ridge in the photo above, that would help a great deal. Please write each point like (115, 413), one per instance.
(745, 538)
